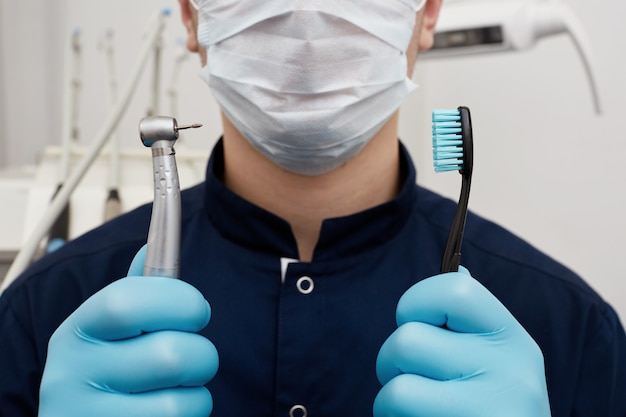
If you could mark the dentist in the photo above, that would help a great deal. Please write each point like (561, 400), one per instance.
(309, 263)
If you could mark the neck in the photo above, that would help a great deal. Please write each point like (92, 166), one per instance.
(369, 179)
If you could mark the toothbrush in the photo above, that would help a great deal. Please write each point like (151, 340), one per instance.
(163, 247)
(453, 150)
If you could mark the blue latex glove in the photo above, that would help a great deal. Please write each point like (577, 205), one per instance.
(131, 350)
(459, 352)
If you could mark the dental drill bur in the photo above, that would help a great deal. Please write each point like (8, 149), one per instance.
(163, 247)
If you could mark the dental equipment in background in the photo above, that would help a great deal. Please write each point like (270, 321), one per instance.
(163, 247)
(181, 56)
(24, 256)
(453, 150)
(153, 108)
(491, 26)
(72, 83)
(113, 204)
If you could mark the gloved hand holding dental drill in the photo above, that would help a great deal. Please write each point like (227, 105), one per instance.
(310, 259)
(131, 350)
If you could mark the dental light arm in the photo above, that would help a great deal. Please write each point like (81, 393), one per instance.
(492, 26)
(25, 255)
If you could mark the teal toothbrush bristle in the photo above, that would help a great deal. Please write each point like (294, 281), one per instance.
(447, 140)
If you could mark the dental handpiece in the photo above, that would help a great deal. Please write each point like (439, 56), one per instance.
(163, 247)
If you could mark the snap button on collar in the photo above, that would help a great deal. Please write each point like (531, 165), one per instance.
(305, 285)
(298, 411)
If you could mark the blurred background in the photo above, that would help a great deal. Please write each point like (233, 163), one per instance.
(547, 167)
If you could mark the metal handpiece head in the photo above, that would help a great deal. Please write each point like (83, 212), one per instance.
(157, 128)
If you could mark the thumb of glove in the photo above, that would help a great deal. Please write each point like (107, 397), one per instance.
(459, 351)
(136, 266)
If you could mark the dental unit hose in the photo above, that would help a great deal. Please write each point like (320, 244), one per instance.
(60, 230)
(113, 203)
(163, 247)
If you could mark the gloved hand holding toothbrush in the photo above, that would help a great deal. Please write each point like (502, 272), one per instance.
(459, 352)
(131, 349)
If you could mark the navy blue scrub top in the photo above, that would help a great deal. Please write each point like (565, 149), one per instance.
(310, 336)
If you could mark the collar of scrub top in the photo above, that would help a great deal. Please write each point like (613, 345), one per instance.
(348, 238)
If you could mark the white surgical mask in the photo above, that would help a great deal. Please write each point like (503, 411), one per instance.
(308, 82)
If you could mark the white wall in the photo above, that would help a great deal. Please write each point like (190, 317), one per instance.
(31, 69)
(546, 167)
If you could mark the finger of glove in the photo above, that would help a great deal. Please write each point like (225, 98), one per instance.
(429, 351)
(416, 396)
(136, 266)
(135, 305)
(455, 300)
(177, 402)
(153, 361)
